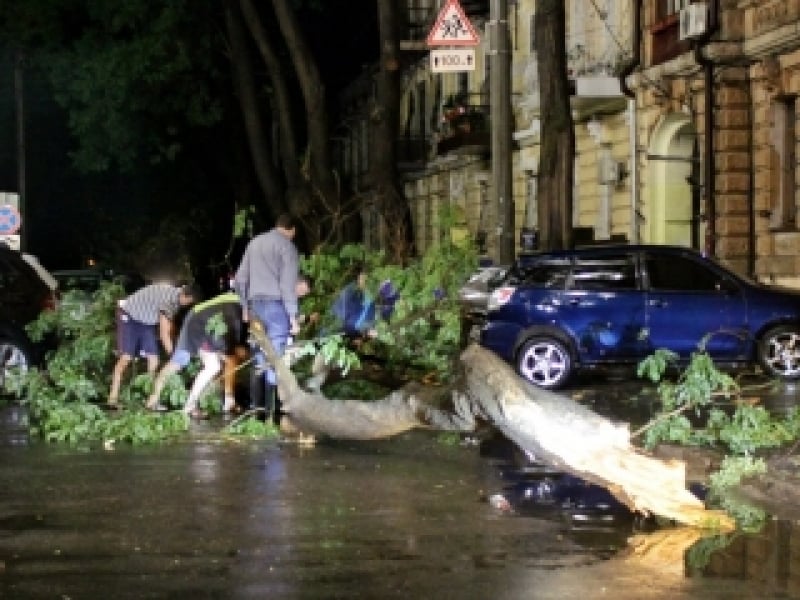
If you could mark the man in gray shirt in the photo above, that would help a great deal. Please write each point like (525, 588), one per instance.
(266, 281)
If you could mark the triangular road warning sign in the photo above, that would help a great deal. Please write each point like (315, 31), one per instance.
(452, 27)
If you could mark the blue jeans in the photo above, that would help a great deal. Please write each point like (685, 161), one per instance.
(276, 321)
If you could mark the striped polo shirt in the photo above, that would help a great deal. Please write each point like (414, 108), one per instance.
(149, 302)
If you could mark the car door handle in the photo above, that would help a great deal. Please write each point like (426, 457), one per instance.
(657, 303)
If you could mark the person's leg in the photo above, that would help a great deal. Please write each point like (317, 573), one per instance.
(277, 325)
(231, 362)
(127, 345)
(116, 378)
(258, 309)
(169, 369)
(257, 389)
(148, 344)
(211, 366)
(152, 363)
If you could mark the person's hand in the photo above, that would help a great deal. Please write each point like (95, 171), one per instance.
(245, 315)
(294, 327)
(372, 333)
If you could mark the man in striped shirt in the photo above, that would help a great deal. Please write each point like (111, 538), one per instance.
(143, 318)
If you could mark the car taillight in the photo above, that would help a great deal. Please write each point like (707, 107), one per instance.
(500, 296)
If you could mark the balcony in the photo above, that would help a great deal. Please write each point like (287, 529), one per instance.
(465, 130)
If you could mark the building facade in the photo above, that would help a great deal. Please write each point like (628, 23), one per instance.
(685, 124)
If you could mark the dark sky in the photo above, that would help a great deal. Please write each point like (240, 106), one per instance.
(60, 202)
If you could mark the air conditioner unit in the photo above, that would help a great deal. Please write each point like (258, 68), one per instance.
(693, 20)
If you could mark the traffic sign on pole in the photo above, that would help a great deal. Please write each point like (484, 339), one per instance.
(452, 27)
(451, 60)
(10, 221)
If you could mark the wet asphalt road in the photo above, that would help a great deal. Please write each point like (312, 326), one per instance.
(402, 518)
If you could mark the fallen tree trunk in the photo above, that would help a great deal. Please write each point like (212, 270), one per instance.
(554, 428)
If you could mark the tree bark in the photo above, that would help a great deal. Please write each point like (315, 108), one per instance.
(297, 190)
(557, 151)
(318, 161)
(241, 65)
(554, 428)
(386, 115)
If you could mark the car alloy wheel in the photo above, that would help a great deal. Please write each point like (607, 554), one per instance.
(12, 356)
(779, 352)
(545, 362)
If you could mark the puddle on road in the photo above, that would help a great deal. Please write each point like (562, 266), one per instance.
(408, 518)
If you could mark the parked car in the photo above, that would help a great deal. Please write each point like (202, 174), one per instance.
(25, 291)
(560, 312)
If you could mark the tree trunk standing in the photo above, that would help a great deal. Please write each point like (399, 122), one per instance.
(386, 115)
(557, 430)
(242, 67)
(557, 151)
(324, 189)
(297, 193)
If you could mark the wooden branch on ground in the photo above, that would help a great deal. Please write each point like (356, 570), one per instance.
(555, 429)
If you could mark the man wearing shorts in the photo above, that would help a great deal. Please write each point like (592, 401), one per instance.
(143, 318)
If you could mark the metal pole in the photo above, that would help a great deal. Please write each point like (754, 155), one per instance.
(19, 99)
(500, 115)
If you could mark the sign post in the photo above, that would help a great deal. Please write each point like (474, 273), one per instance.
(10, 220)
(453, 29)
(449, 60)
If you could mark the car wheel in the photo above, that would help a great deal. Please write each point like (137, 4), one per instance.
(545, 362)
(14, 354)
(779, 352)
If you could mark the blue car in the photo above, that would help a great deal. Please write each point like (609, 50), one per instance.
(563, 311)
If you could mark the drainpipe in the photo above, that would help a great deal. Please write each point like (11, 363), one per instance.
(633, 137)
(709, 162)
(751, 200)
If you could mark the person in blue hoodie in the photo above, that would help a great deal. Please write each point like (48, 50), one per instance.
(354, 309)
(355, 312)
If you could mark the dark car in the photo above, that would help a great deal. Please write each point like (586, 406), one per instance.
(559, 312)
(24, 294)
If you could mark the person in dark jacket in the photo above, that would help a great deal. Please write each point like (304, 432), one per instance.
(355, 313)
(211, 331)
